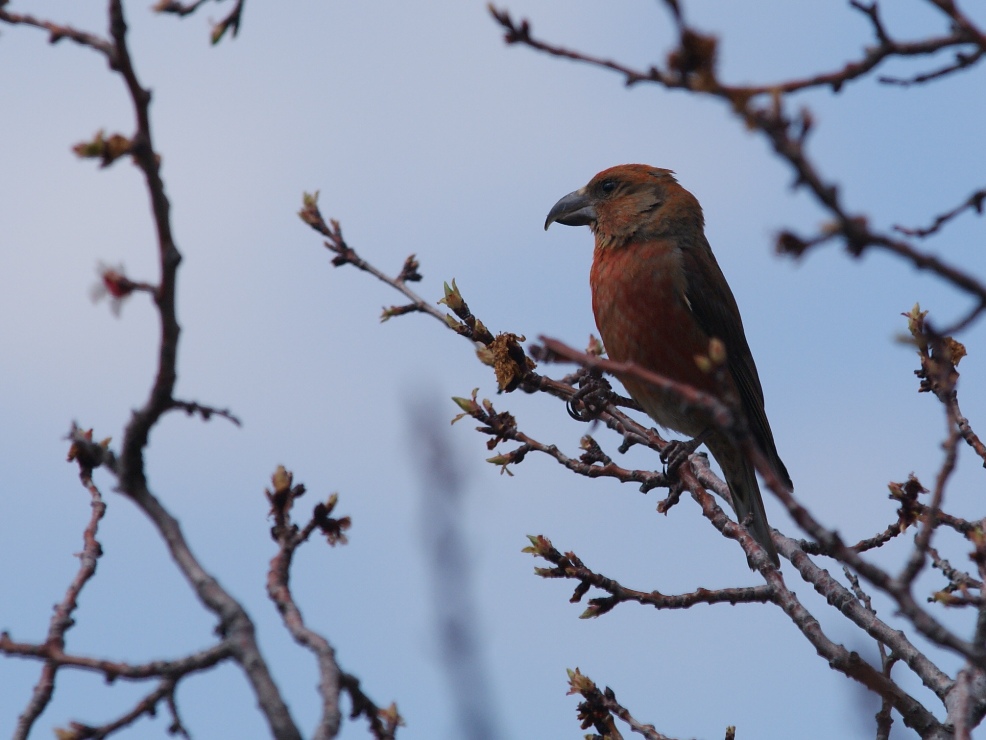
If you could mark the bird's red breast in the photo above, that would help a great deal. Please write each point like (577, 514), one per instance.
(643, 317)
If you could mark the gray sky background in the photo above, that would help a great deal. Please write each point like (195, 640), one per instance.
(425, 134)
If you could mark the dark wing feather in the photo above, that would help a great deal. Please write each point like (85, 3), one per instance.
(714, 307)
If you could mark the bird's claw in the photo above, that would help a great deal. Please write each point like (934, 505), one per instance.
(677, 452)
(591, 399)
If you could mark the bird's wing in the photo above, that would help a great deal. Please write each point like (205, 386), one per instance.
(714, 307)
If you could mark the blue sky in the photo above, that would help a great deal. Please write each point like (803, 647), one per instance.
(425, 134)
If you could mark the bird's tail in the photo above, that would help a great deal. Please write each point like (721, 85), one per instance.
(742, 480)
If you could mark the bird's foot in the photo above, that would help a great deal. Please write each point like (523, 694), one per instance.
(677, 452)
(674, 455)
(591, 399)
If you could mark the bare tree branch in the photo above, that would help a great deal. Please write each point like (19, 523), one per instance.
(599, 707)
(113, 670)
(147, 705)
(57, 32)
(571, 566)
(61, 620)
(230, 22)
(973, 202)
(383, 723)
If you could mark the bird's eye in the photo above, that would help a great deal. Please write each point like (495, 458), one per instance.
(606, 187)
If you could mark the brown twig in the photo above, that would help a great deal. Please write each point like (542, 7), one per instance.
(502, 426)
(884, 717)
(332, 680)
(569, 565)
(940, 354)
(599, 707)
(289, 537)
(957, 581)
(819, 578)
(962, 61)
(346, 255)
(230, 22)
(57, 32)
(170, 672)
(173, 7)
(113, 670)
(61, 620)
(147, 705)
(922, 541)
(973, 202)
(879, 540)
(206, 412)
(970, 437)
(960, 21)
(960, 525)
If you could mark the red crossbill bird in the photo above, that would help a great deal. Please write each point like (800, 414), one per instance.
(659, 296)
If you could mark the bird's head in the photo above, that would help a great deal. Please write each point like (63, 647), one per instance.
(626, 201)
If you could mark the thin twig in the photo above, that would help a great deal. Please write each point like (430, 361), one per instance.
(569, 565)
(599, 707)
(147, 705)
(922, 541)
(332, 680)
(61, 620)
(230, 22)
(57, 32)
(973, 202)
(206, 412)
(113, 670)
